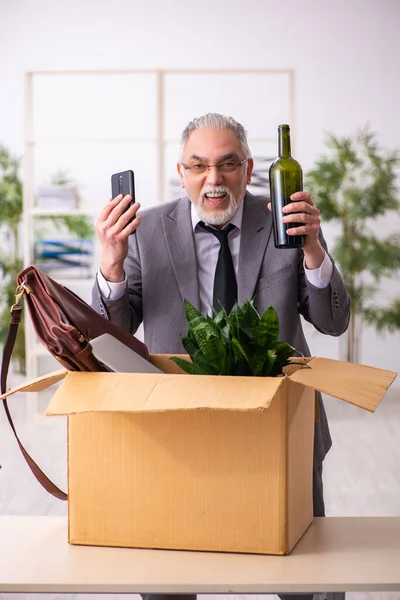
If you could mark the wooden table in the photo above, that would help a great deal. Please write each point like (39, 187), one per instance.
(335, 554)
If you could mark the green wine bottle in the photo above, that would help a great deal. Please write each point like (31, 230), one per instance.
(285, 178)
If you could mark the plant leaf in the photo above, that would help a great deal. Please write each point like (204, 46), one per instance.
(268, 330)
(207, 337)
(197, 357)
(187, 366)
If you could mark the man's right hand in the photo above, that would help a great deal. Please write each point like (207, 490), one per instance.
(113, 230)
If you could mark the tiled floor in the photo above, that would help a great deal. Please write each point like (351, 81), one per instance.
(361, 473)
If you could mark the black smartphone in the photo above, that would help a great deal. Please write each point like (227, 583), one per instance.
(123, 183)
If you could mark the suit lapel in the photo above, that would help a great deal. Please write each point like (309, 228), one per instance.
(178, 233)
(255, 234)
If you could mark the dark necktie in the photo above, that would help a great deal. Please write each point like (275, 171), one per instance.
(225, 286)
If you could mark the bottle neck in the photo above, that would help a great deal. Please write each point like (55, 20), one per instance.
(284, 141)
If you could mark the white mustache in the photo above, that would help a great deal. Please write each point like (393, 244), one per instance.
(219, 189)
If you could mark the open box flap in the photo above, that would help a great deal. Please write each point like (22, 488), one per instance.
(37, 385)
(139, 392)
(357, 384)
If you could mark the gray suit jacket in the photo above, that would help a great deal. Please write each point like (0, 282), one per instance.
(161, 270)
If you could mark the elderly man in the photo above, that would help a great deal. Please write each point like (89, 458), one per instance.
(176, 251)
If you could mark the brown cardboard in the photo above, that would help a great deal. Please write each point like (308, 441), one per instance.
(357, 384)
(37, 385)
(197, 462)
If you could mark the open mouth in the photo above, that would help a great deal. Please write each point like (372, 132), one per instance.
(216, 198)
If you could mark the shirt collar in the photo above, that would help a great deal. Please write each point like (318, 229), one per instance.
(236, 219)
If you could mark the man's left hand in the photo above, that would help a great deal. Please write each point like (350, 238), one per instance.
(303, 211)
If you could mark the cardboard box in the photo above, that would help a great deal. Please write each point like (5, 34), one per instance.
(197, 462)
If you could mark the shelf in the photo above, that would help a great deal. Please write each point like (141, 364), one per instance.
(71, 282)
(91, 141)
(40, 212)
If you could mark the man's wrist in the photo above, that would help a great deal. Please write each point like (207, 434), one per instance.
(314, 258)
(114, 274)
(110, 290)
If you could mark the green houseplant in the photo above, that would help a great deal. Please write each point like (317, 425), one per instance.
(11, 207)
(11, 263)
(354, 184)
(239, 343)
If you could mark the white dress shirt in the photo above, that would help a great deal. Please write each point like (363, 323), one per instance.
(207, 249)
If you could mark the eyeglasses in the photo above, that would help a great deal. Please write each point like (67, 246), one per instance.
(224, 167)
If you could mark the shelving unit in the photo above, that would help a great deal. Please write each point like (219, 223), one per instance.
(94, 123)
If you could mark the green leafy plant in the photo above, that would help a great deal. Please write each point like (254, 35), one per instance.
(238, 343)
(78, 225)
(354, 185)
(11, 206)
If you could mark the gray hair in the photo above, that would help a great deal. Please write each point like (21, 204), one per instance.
(217, 121)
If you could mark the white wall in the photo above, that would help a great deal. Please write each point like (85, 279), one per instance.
(345, 55)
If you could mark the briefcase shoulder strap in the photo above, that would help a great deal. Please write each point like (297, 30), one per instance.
(49, 486)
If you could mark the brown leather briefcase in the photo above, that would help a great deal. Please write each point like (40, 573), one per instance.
(65, 324)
